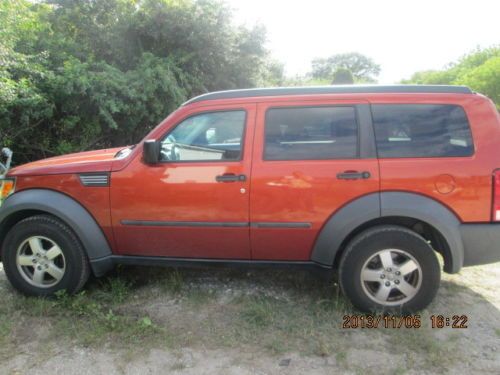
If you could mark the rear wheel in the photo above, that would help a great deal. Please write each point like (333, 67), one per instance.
(390, 269)
(42, 255)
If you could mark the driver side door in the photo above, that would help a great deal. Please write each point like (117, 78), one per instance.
(194, 203)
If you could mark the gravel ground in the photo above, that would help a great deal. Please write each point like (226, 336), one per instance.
(31, 347)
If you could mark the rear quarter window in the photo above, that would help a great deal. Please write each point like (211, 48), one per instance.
(421, 130)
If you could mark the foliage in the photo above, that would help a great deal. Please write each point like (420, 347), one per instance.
(363, 68)
(305, 80)
(83, 74)
(480, 70)
(342, 76)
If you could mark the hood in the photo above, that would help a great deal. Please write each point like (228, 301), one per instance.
(89, 161)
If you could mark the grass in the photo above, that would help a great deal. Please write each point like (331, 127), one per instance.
(399, 371)
(5, 331)
(172, 283)
(438, 354)
(258, 312)
(87, 318)
(271, 311)
(197, 298)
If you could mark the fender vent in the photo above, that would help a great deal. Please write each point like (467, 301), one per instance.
(95, 179)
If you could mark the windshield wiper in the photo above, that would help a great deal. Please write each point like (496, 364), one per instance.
(124, 152)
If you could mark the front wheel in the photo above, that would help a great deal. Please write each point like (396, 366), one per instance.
(42, 255)
(389, 269)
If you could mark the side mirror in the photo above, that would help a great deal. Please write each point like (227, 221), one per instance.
(151, 151)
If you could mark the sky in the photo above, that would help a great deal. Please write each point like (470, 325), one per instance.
(402, 36)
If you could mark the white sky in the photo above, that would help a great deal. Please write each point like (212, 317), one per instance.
(402, 36)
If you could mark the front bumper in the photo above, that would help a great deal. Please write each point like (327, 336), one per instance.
(481, 243)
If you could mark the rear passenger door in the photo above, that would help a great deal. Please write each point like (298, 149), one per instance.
(310, 158)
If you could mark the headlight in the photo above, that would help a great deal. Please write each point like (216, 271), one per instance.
(7, 187)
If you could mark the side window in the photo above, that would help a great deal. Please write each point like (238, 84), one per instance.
(421, 130)
(311, 133)
(204, 137)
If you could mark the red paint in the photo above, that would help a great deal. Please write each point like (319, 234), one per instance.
(299, 191)
(184, 191)
(94, 199)
(275, 191)
(471, 196)
(89, 161)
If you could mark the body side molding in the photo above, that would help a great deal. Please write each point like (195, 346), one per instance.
(146, 223)
(290, 224)
(216, 224)
(66, 209)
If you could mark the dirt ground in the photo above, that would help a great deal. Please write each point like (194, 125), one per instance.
(241, 322)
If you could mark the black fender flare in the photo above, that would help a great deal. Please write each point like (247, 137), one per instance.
(66, 209)
(389, 204)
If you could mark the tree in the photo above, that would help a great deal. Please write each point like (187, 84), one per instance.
(83, 74)
(342, 76)
(485, 79)
(480, 70)
(362, 68)
(24, 106)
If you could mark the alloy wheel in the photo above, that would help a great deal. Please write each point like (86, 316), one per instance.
(41, 262)
(391, 277)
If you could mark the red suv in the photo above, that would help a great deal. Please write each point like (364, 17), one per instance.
(370, 181)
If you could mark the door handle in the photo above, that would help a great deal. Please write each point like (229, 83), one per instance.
(353, 175)
(231, 177)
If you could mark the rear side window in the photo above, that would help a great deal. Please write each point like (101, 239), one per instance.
(311, 133)
(421, 130)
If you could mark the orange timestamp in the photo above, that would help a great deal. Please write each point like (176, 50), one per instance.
(454, 321)
(398, 322)
(381, 321)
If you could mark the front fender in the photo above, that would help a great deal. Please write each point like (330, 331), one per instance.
(66, 209)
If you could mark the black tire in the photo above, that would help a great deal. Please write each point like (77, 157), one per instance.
(76, 264)
(365, 247)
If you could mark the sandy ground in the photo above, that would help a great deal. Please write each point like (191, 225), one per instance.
(474, 292)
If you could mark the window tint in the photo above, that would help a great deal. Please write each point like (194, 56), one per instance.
(207, 136)
(421, 130)
(311, 133)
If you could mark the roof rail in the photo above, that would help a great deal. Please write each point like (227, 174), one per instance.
(337, 89)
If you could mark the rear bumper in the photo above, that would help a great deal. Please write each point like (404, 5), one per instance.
(481, 243)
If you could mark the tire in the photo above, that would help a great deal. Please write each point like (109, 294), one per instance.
(372, 276)
(42, 255)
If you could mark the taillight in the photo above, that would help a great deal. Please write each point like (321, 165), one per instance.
(496, 196)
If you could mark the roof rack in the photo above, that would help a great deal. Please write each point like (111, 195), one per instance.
(338, 89)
